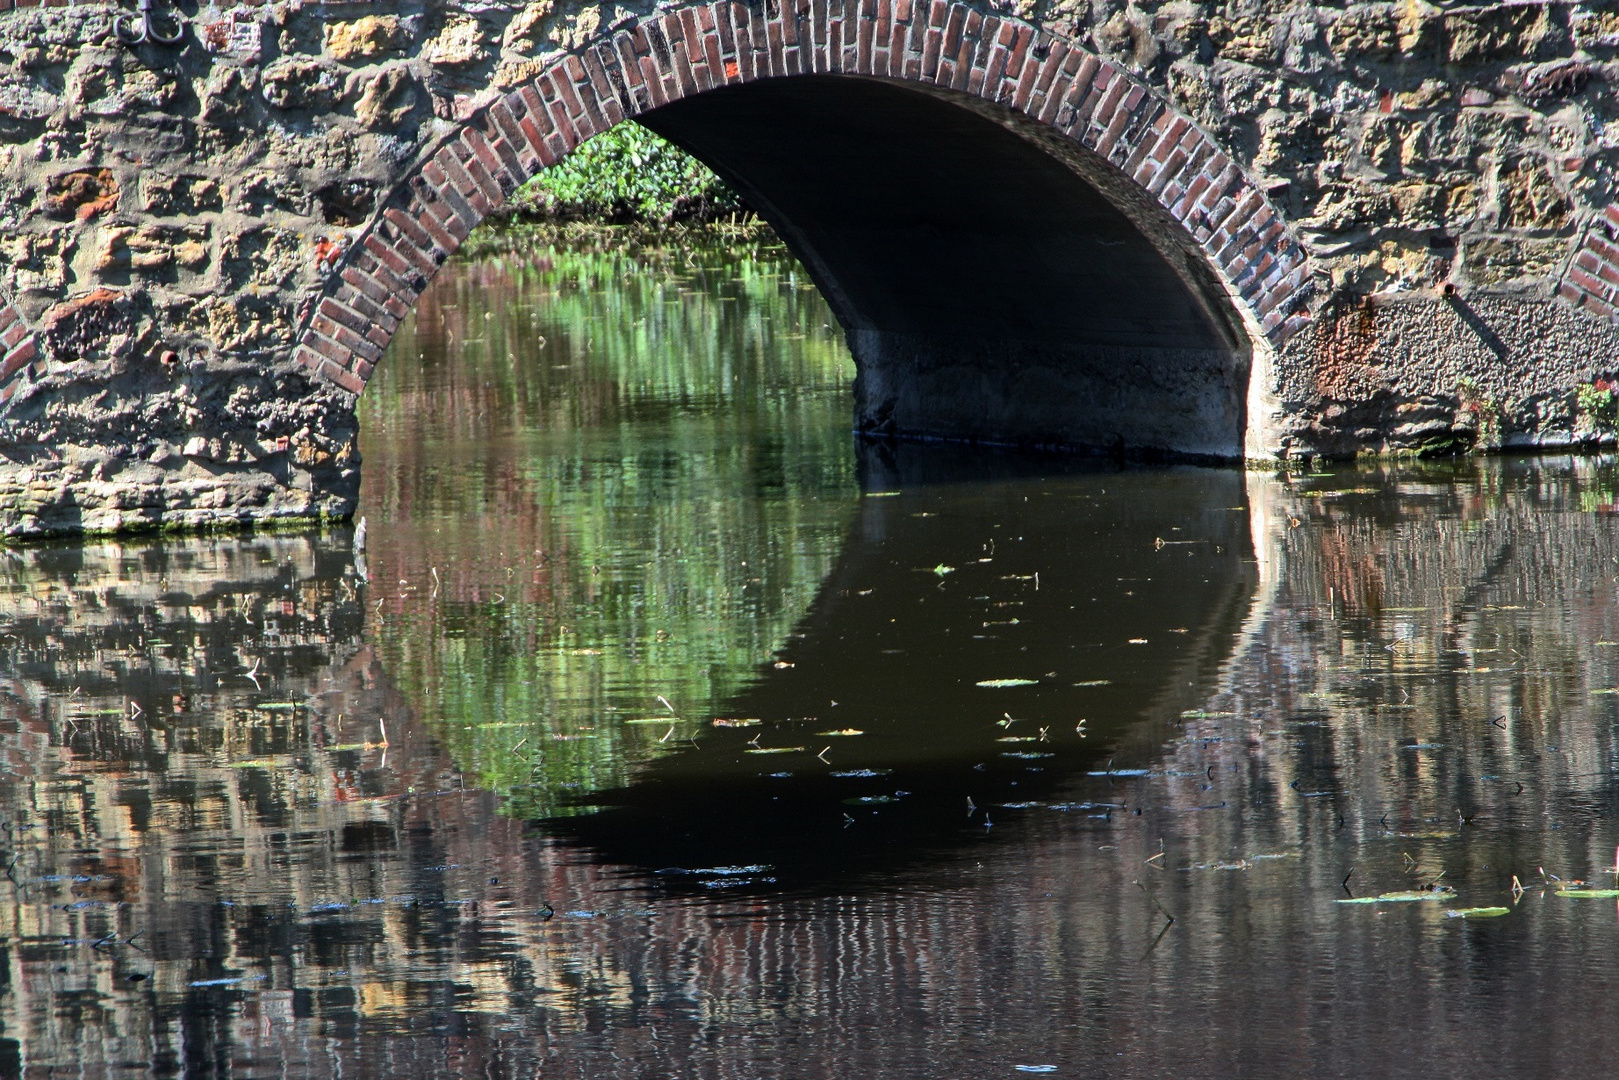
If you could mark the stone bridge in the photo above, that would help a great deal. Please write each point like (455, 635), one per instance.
(1254, 228)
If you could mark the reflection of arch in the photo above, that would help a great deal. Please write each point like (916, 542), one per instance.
(1155, 167)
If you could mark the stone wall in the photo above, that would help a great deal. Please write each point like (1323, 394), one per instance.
(205, 247)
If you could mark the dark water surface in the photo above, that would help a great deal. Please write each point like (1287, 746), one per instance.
(675, 735)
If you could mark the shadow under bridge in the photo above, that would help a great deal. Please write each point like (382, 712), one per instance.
(997, 282)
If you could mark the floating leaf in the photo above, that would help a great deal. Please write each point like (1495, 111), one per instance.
(863, 773)
(276, 706)
(1138, 641)
(256, 763)
(1407, 896)
(776, 750)
(882, 494)
(1095, 682)
(842, 731)
(997, 684)
(942, 569)
(1478, 912)
(1589, 894)
(727, 721)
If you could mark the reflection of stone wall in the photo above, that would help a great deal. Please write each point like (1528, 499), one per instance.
(180, 220)
(1426, 650)
(305, 901)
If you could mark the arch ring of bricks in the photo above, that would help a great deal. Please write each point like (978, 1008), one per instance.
(686, 51)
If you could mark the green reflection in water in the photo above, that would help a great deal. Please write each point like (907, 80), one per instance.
(594, 479)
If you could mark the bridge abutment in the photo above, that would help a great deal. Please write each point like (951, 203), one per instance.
(1187, 403)
(105, 446)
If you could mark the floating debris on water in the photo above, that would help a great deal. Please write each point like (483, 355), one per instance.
(717, 871)
(728, 721)
(998, 684)
(228, 982)
(1438, 892)
(860, 773)
(1477, 912)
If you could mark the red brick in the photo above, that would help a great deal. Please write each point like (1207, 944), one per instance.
(423, 245)
(443, 202)
(1590, 285)
(19, 357)
(328, 350)
(742, 35)
(792, 43)
(308, 357)
(485, 166)
(342, 335)
(339, 312)
(342, 377)
(1602, 247)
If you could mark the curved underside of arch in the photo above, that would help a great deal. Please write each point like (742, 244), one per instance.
(988, 290)
(1023, 243)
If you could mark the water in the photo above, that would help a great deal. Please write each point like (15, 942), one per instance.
(984, 723)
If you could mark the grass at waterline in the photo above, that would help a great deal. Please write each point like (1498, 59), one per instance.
(741, 231)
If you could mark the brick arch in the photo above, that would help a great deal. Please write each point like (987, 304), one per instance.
(1590, 282)
(18, 349)
(675, 54)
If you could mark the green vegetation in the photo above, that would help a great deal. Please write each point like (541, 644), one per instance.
(627, 176)
(1598, 404)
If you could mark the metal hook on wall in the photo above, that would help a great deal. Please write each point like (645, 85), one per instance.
(131, 32)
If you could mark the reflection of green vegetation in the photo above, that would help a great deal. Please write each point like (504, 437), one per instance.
(629, 472)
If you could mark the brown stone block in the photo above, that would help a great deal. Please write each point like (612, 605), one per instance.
(81, 194)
